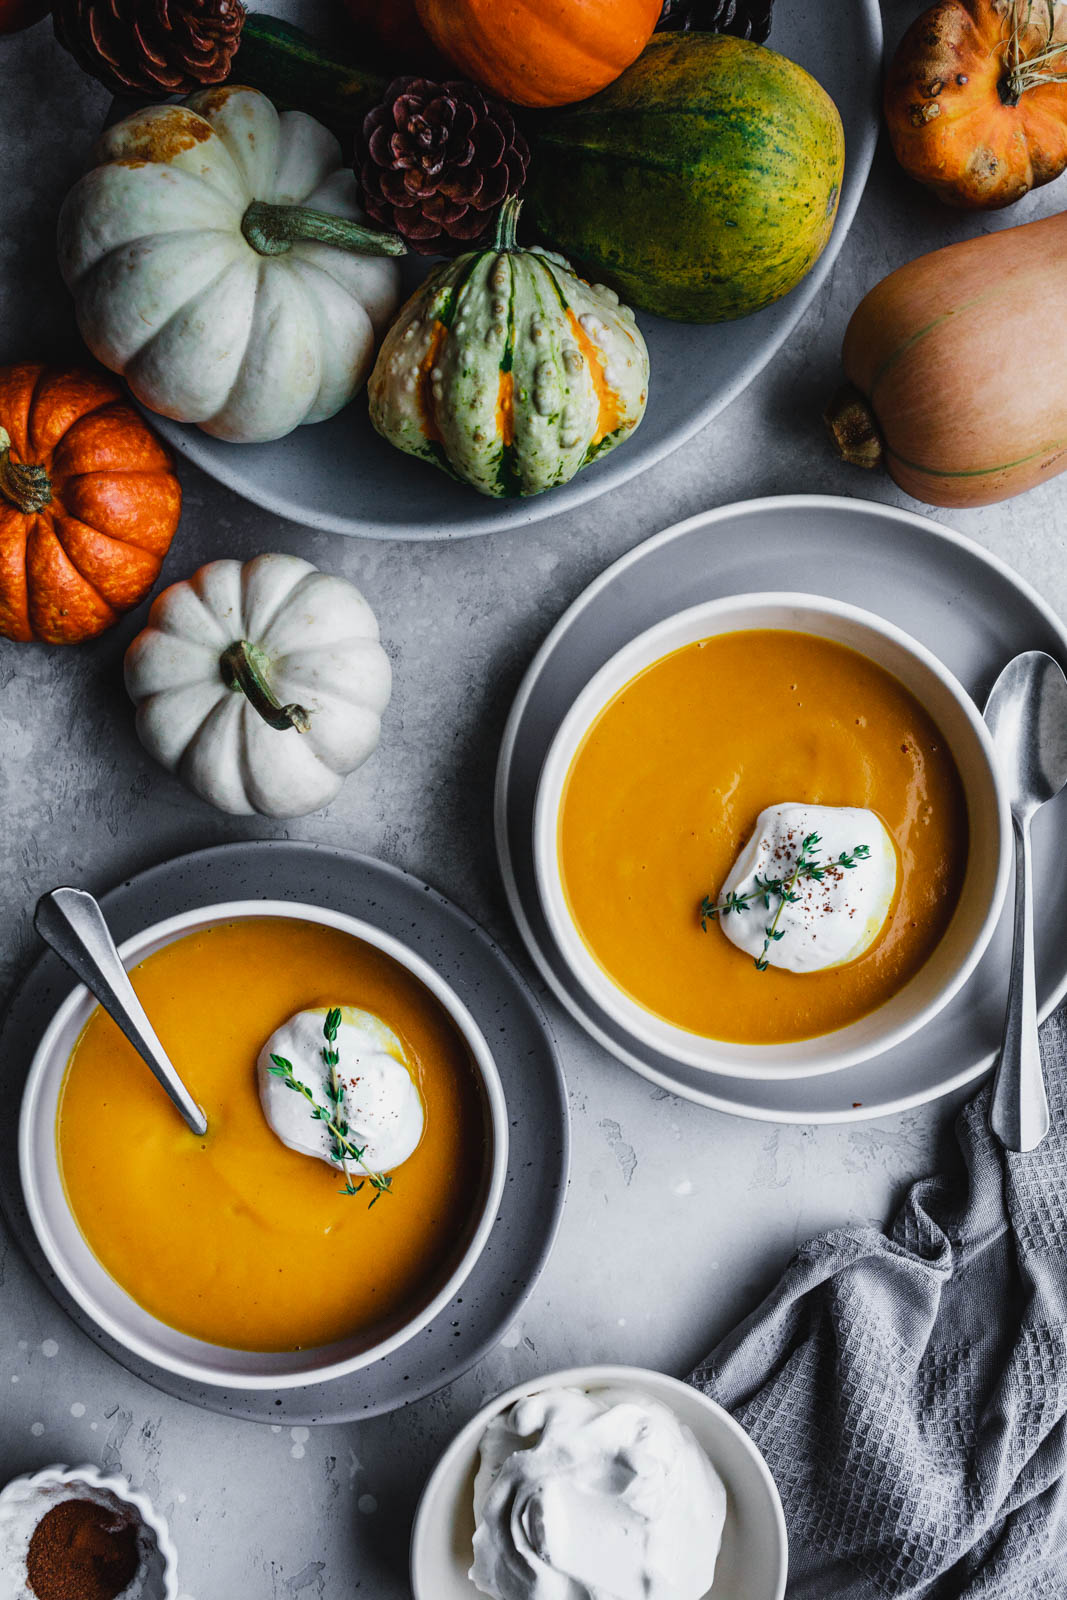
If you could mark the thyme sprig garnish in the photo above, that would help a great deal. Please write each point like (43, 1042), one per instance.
(807, 867)
(342, 1148)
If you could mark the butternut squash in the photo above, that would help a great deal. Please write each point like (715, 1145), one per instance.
(956, 378)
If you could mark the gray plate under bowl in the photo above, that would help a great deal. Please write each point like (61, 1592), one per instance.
(504, 1009)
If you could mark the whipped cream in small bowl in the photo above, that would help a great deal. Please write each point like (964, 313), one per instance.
(608, 1482)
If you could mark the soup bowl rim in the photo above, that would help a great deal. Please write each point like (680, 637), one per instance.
(260, 1370)
(791, 1059)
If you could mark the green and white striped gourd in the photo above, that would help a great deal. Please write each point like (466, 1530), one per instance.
(508, 370)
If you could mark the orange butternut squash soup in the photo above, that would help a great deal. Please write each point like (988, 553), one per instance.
(235, 1238)
(663, 796)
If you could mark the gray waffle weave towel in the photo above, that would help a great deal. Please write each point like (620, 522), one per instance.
(909, 1389)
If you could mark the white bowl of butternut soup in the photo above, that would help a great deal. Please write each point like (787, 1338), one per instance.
(236, 1259)
(770, 838)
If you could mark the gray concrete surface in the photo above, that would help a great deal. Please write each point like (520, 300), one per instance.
(271, 1514)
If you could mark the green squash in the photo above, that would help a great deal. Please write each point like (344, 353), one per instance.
(508, 371)
(702, 184)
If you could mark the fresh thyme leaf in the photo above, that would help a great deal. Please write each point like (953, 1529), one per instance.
(807, 867)
(342, 1148)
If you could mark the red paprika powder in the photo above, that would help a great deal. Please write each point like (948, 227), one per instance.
(82, 1551)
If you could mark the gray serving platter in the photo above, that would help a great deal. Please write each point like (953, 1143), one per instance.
(504, 1009)
(340, 476)
(968, 607)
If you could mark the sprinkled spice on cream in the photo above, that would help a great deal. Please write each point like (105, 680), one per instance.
(812, 888)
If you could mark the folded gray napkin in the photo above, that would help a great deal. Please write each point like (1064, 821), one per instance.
(908, 1389)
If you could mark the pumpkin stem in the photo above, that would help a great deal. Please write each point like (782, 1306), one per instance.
(1046, 64)
(27, 487)
(273, 229)
(507, 223)
(853, 428)
(243, 669)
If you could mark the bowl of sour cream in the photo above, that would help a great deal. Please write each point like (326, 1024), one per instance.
(604, 1480)
(770, 839)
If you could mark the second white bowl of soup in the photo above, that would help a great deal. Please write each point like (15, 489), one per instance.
(747, 725)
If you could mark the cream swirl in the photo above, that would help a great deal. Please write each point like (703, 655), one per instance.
(835, 917)
(594, 1496)
(382, 1105)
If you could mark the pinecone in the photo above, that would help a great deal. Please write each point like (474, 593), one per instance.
(436, 160)
(151, 47)
(748, 19)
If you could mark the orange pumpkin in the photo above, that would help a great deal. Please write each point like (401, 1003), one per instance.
(976, 100)
(88, 504)
(541, 52)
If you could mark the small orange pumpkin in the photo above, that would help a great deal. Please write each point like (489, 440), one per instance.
(88, 504)
(541, 52)
(976, 100)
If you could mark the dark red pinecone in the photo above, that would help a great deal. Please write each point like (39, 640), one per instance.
(151, 47)
(747, 19)
(435, 161)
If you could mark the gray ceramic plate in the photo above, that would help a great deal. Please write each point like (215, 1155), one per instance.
(340, 476)
(504, 1009)
(968, 607)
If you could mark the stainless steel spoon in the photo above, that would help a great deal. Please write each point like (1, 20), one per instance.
(1027, 715)
(73, 924)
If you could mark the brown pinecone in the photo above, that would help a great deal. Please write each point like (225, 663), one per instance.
(436, 160)
(151, 47)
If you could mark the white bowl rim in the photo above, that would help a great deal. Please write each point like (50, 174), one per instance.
(130, 951)
(597, 1376)
(695, 1050)
(94, 1477)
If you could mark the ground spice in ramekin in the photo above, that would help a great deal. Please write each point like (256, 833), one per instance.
(82, 1551)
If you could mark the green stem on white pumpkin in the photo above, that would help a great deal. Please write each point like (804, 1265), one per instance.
(27, 487)
(272, 229)
(507, 223)
(243, 669)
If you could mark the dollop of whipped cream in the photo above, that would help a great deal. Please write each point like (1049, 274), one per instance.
(381, 1103)
(602, 1496)
(838, 916)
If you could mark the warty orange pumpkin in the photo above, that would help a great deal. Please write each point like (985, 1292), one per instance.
(541, 52)
(976, 99)
(88, 504)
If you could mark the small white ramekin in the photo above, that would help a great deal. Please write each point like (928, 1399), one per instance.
(93, 1287)
(754, 1557)
(26, 1500)
(988, 866)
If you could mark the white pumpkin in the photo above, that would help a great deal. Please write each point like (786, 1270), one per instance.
(262, 686)
(201, 275)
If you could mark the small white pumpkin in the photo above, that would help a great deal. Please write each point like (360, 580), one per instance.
(262, 686)
(217, 258)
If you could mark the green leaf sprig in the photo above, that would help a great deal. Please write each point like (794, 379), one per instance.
(342, 1148)
(806, 867)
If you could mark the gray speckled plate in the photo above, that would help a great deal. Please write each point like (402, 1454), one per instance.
(956, 598)
(504, 1009)
(340, 476)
